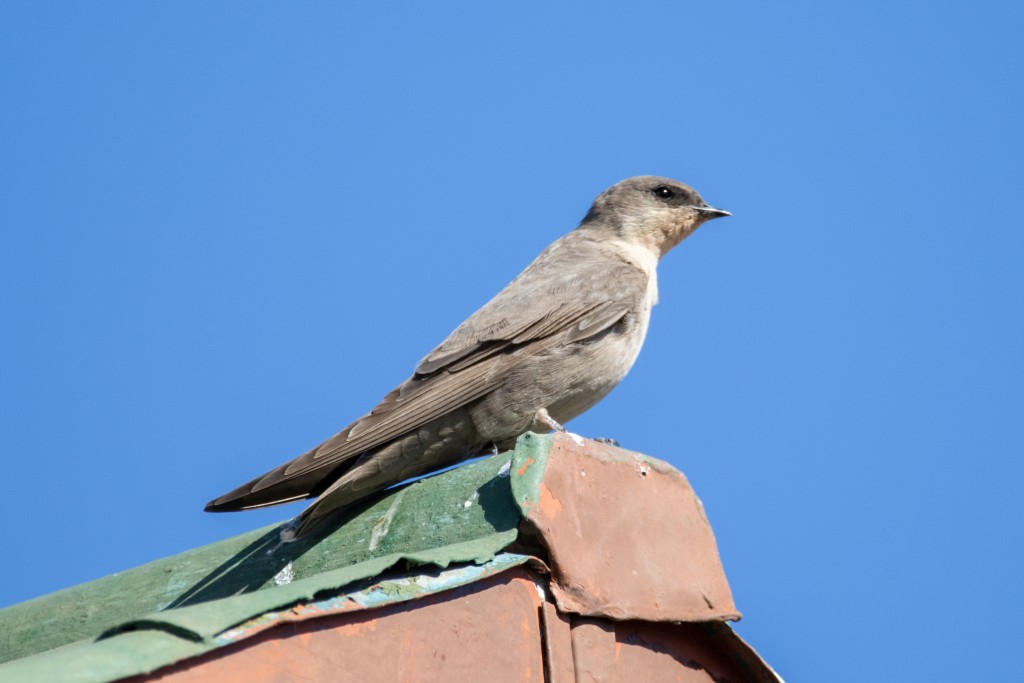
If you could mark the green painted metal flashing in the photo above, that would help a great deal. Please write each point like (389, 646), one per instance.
(150, 616)
(205, 620)
(529, 461)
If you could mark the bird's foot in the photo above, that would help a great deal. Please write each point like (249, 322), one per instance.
(543, 417)
(607, 441)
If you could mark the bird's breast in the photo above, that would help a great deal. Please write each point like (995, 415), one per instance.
(604, 361)
(566, 378)
(636, 324)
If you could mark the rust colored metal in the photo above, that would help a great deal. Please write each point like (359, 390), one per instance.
(614, 651)
(633, 590)
(557, 645)
(593, 651)
(386, 591)
(627, 538)
(497, 629)
(489, 631)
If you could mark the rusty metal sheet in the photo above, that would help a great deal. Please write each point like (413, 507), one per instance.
(627, 536)
(390, 590)
(594, 651)
(489, 630)
(624, 651)
(557, 645)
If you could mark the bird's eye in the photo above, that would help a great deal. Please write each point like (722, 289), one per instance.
(663, 192)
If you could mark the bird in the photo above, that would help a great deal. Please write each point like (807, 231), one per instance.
(546, 348)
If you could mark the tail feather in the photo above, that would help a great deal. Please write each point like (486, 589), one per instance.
(257, 494)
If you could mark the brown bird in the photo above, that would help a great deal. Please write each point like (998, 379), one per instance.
(549, 346)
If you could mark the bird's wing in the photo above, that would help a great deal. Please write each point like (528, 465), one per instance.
(540, 312)
(477, 368)
(589, 292)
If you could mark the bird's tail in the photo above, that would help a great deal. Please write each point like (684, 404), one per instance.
(276, 488)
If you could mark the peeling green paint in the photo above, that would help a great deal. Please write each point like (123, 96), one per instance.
(529, 460)
(388, 591)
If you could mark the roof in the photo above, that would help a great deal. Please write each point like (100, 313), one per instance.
(622, 535)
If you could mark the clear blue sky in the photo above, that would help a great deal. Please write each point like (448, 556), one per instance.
(230, 228)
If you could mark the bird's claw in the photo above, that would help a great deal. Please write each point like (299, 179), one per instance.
(543, 417)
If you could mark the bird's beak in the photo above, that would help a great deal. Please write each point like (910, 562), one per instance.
(709, 212)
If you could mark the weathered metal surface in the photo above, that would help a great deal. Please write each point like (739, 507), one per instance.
(487, 631)
(625, 539)
(593, 651)
(413, 585)
(204, 621)
(454, 509)
(607, 651)
(147, 644)
(557, 645)
(627, 536)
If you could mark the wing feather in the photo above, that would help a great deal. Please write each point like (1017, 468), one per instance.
(397, 416)
(544, 306)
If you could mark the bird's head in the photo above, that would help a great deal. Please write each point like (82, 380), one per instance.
(655, 212)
